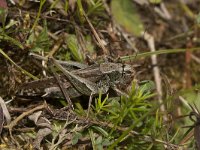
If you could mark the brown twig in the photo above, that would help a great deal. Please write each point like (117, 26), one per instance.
(156, 71)
(24, 114)
(187, 74)
(105, 51)
(56, 47)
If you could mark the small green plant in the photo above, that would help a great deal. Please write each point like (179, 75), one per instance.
(40, 42)
(127, 114)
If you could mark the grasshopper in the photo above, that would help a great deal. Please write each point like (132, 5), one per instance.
(89, 81)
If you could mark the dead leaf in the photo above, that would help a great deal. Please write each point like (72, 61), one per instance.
(45, 127)
(5, 111)
(39, 120)
(40, 136)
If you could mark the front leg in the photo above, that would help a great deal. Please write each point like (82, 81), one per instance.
(118, 91)
(64, 92)
(89, 105)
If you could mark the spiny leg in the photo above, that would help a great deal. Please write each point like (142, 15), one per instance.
(82, 85)
(89, 105)
(60, 84)
(118, 91)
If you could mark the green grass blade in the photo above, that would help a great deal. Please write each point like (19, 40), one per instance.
(124, 134)
(18, 67)
(158, 52)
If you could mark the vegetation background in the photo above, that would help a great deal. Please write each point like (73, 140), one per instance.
(160, 38)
